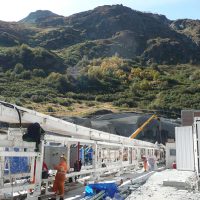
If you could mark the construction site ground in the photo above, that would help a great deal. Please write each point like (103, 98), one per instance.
(132, 176)
(168, 185)
(75, 191)
(139, 185)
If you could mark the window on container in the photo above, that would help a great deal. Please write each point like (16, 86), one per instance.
(142, 151)
(125, 154)
(172, 152)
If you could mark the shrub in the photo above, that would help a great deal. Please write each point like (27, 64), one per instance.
(18, 102)
(39, 73)
(59, 82)
(25, 75)
(81, 96)
(64, 102)
(37, 98)
(26, 94)
(50, 109)
(126, 102)
(90, 104)
(195, 75)
(70, 108)
(106, 97)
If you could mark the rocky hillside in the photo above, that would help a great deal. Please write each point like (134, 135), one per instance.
(110, 57)
(37, 16)
(103, 32)
(188, 27)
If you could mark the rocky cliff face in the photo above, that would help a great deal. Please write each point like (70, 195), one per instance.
(188, 27)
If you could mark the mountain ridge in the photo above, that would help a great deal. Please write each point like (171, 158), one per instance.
(130, 34)
(38, 15)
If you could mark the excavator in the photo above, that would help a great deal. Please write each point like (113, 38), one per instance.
(134, 135)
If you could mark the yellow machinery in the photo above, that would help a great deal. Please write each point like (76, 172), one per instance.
(134, 135)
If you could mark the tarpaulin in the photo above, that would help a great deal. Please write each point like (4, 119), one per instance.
(16, 164)
(109, 188)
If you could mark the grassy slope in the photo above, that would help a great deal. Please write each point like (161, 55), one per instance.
(176, 88)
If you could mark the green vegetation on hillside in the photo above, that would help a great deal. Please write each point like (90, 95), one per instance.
(114, 80)
(111, 56)
(30, 58)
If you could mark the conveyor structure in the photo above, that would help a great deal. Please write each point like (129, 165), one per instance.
(117, 152)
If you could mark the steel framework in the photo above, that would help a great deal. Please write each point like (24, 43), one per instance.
(122, 153)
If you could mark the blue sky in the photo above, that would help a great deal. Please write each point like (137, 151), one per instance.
(14, 10)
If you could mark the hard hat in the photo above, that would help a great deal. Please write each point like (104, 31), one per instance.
(64, 157)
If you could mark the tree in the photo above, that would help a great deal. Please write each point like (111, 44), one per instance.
(59, 82)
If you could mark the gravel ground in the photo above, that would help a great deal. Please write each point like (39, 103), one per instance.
(153, 189)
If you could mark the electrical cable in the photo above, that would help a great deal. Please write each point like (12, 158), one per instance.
(14, 107)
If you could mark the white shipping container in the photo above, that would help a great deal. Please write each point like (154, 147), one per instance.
(184, 148)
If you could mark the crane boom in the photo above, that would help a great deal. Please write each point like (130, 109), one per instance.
(134, 135)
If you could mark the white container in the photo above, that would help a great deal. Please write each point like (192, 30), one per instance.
(184, 148)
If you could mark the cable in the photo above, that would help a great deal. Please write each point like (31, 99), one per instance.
(14, 107)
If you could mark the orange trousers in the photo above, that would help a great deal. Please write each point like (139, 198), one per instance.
(145, 165)
(59, 183)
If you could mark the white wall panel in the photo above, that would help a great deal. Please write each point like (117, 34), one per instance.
(197, 144)
(184, 148)
(170, 158)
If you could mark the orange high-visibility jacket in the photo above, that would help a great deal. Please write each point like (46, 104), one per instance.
(58, 185)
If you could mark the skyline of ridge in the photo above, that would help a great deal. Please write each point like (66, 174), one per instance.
(172, 9)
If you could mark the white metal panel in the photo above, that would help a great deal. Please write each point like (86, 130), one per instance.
(184, 148)
(169, 157)
(198, 142)
(196, 130)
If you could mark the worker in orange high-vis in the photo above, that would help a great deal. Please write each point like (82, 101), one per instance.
(58, 186)
(145, 164)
